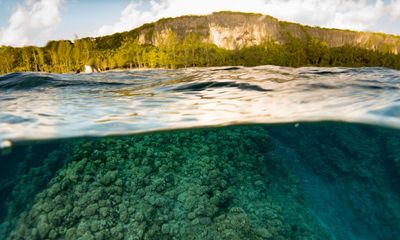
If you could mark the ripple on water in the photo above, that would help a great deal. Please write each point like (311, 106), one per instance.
(43, 105)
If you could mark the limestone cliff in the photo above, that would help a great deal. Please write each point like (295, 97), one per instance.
(232, 30)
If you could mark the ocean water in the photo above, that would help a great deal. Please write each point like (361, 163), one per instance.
(204, 153)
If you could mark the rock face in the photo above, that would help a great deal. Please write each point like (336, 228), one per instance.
(232, 30)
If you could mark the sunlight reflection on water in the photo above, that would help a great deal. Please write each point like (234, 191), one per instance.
(45, 106)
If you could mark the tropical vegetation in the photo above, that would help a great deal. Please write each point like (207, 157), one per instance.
(119, 51)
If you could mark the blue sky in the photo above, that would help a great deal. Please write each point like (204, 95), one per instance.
(78, 17)
(34, 22)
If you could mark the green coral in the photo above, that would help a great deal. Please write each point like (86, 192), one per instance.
(199, 184)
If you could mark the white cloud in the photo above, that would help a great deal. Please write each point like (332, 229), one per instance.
(358, 15)
(394, 9)
(31, 23)
(346, 14)
(130, 16)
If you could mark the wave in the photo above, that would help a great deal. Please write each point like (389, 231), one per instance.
(25, 81)
(213, 84)
(47, 106)
(28, 81)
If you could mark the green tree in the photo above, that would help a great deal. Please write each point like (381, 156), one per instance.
(168, 46)
(8, 56)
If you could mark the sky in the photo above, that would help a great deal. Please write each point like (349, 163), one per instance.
(35, 22)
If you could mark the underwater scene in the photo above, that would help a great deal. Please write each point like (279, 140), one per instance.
(204, 153)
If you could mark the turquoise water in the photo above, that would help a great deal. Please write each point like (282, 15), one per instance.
(235, 153)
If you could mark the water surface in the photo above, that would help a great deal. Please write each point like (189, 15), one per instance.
(244, 153)
(41, 105)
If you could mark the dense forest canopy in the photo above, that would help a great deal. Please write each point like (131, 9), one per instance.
(125, 50)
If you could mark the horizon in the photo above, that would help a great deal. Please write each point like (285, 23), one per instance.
(36, 22)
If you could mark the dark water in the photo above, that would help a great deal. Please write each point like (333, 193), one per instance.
(309, 154)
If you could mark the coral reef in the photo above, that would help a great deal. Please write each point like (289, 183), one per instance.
(25, 172)
(199, 184)
(304, 181)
